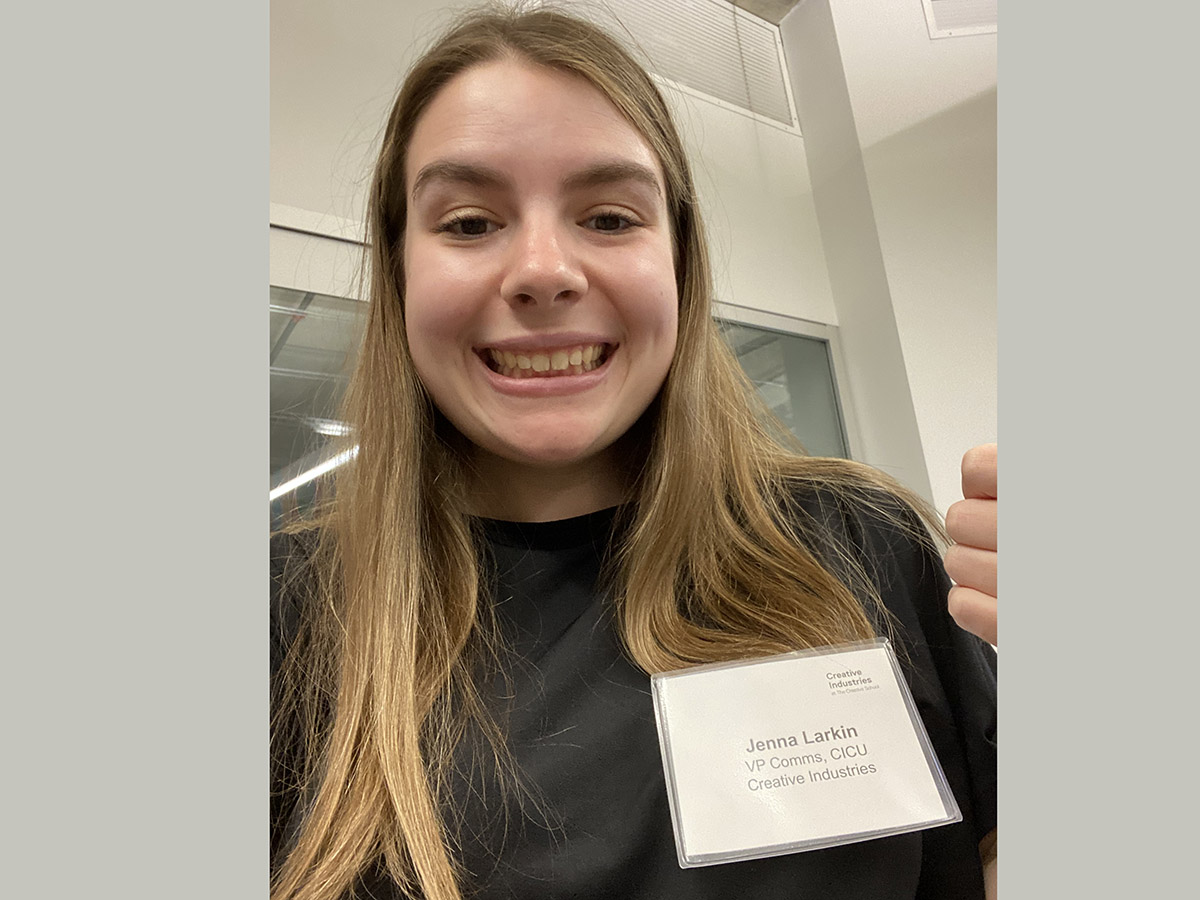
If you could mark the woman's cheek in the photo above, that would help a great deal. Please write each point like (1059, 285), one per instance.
(433, 301)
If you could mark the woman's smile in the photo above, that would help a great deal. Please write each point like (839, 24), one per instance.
(552, 363)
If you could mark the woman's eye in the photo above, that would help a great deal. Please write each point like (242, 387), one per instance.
(467, 226)
(611, 222)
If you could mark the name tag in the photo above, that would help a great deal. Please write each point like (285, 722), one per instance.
(795, 752)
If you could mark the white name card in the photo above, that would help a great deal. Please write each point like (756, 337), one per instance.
(795, 752)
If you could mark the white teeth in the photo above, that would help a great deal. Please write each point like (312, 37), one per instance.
(568, 361)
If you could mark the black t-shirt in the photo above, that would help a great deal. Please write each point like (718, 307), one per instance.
(580, 725)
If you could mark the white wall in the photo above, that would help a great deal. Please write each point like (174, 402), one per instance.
(933, 188)
(758, 206)
(335, 68)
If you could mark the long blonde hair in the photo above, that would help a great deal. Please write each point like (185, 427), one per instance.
(716, 561)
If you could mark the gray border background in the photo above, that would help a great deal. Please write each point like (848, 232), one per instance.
(136, 145)
(1097, 298)
(134, 634)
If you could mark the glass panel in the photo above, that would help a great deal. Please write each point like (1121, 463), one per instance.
(314, 340)
(794, 374)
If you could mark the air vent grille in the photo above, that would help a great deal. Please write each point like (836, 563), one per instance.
(957, 18)
(706, 45)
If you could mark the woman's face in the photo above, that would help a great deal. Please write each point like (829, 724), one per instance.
(541, 306)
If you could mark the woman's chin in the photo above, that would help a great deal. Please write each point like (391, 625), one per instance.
(553, 458)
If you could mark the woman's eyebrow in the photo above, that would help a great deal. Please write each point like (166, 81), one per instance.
(612, 172)
(485, 176)
(462, 173)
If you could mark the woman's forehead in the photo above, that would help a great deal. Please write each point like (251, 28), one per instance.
(510, 113)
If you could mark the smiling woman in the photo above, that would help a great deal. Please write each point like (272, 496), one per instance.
(563, 484)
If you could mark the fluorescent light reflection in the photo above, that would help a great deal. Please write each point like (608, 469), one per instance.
(315, 472)
(329, 427)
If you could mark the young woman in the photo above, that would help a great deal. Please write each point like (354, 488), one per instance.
(564, 483)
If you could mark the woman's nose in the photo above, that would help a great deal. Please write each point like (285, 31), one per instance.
(543, 267)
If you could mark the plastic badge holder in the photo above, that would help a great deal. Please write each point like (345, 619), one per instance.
(795, 752)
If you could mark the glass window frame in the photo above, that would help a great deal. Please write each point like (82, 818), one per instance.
(792, 325)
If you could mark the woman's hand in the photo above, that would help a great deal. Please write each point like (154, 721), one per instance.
(971, 562)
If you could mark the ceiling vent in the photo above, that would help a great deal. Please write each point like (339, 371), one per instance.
(707, 47)
(958, 18)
